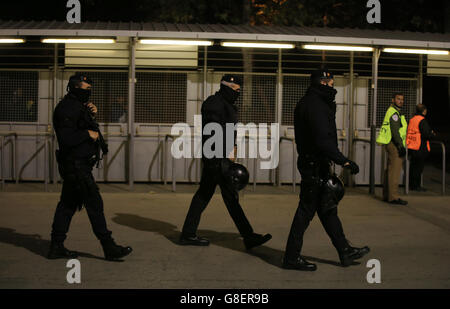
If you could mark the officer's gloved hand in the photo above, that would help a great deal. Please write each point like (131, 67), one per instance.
(354, 168)
(401, 152)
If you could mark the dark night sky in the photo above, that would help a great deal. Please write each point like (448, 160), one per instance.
(412, 15)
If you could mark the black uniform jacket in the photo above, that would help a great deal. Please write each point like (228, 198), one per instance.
(71, 129)
(315, 125)
(220, 108)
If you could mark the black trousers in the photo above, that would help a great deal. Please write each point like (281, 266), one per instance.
(212, 176)
(79, 188)
(311, 201)
(416, 167)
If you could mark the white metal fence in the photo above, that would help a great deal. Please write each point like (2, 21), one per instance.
(163, 98)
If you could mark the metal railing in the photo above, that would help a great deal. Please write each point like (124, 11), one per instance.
(294, 170)
(406, 180)
(2, 158)
(16, 174)
(174, 180)
(255, 162)
(174, 185)
(44, 145)
(364, 140)
(48, 135)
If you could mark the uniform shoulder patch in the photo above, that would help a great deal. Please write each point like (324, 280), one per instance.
(395, 117)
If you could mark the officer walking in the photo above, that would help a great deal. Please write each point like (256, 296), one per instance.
(316, 139)
(219, 108)
(393, 136)
(79, 142)
(418, 142)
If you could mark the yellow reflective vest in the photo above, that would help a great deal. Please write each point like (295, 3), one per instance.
(385, 136)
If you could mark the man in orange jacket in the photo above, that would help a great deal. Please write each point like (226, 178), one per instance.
(417, 140)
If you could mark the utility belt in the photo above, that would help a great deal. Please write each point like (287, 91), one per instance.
(219, 165)
(77, 173)
(314, 168)
(212, 162)
(69, 164)
(316, 173)
(313, 161)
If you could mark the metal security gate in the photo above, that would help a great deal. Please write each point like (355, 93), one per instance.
(161, 101)
(163, 98)
(24, 136)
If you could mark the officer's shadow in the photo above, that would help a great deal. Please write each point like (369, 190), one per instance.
(32, 242)
(227, 240)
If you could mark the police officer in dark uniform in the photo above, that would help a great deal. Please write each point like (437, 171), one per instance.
(316, 139)
(219, 108)
(79, 142)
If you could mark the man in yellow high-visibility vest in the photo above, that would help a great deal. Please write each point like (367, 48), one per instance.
(393, 136)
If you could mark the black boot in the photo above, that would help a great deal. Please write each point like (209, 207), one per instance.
(399, 201)
(349, 254)
(299, 264)
(58, 251)
(113, 251)
(254, 240)
(193, 241)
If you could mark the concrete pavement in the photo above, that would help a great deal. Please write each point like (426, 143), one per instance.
(411, 242)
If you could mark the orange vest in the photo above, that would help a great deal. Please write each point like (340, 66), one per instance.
(413, 136)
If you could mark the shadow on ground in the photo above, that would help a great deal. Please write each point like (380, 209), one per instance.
(231, 241)
(32, 242)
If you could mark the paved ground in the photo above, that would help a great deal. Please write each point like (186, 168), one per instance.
(412, 243)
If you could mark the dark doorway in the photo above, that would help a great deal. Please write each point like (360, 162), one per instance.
(437, 99)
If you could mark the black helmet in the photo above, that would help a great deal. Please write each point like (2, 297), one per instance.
(238, 175)
(333, 192)
(335, 184)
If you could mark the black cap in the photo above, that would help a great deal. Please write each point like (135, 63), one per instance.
(81, 78)
(76, 79)
(319, 74)
(235, 79)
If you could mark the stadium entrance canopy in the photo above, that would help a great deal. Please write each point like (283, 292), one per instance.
(227, 32)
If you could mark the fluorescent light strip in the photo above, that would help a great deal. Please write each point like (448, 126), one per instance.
(338, 47)
(176, 42)
(81, 40)
(256, 45)
(6, 40)
(416, 51)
